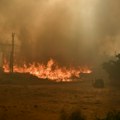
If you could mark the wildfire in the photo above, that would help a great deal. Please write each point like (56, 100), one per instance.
(49, 71)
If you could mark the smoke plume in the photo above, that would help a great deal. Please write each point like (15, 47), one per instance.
(71, 31)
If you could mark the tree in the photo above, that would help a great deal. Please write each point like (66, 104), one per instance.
(112, 67)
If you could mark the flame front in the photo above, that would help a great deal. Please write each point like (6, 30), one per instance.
(49, 71)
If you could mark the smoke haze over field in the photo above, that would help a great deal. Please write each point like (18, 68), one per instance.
(71, 31)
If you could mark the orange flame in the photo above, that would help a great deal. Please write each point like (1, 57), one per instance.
(49, 71)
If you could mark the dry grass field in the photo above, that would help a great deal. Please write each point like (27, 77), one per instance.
(25, 98)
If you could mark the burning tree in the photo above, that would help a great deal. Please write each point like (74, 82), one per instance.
(113, 69)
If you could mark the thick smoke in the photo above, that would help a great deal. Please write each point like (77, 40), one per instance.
(72, 32)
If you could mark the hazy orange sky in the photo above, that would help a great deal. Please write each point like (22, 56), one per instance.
(67, 30)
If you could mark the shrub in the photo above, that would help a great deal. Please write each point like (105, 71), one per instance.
(75, 115)
(114, 115)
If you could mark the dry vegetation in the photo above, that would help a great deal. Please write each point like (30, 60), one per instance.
(27, 98)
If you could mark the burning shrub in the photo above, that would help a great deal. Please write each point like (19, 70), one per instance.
(51, 70)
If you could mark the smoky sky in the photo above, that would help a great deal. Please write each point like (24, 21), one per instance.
(71, 31)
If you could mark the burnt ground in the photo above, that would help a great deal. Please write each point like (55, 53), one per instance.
(25, 97)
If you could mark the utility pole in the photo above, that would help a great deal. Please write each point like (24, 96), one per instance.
(12, 55)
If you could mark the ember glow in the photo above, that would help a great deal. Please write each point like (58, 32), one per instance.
(50, 71)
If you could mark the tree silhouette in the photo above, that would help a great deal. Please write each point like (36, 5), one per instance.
(112, 67)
